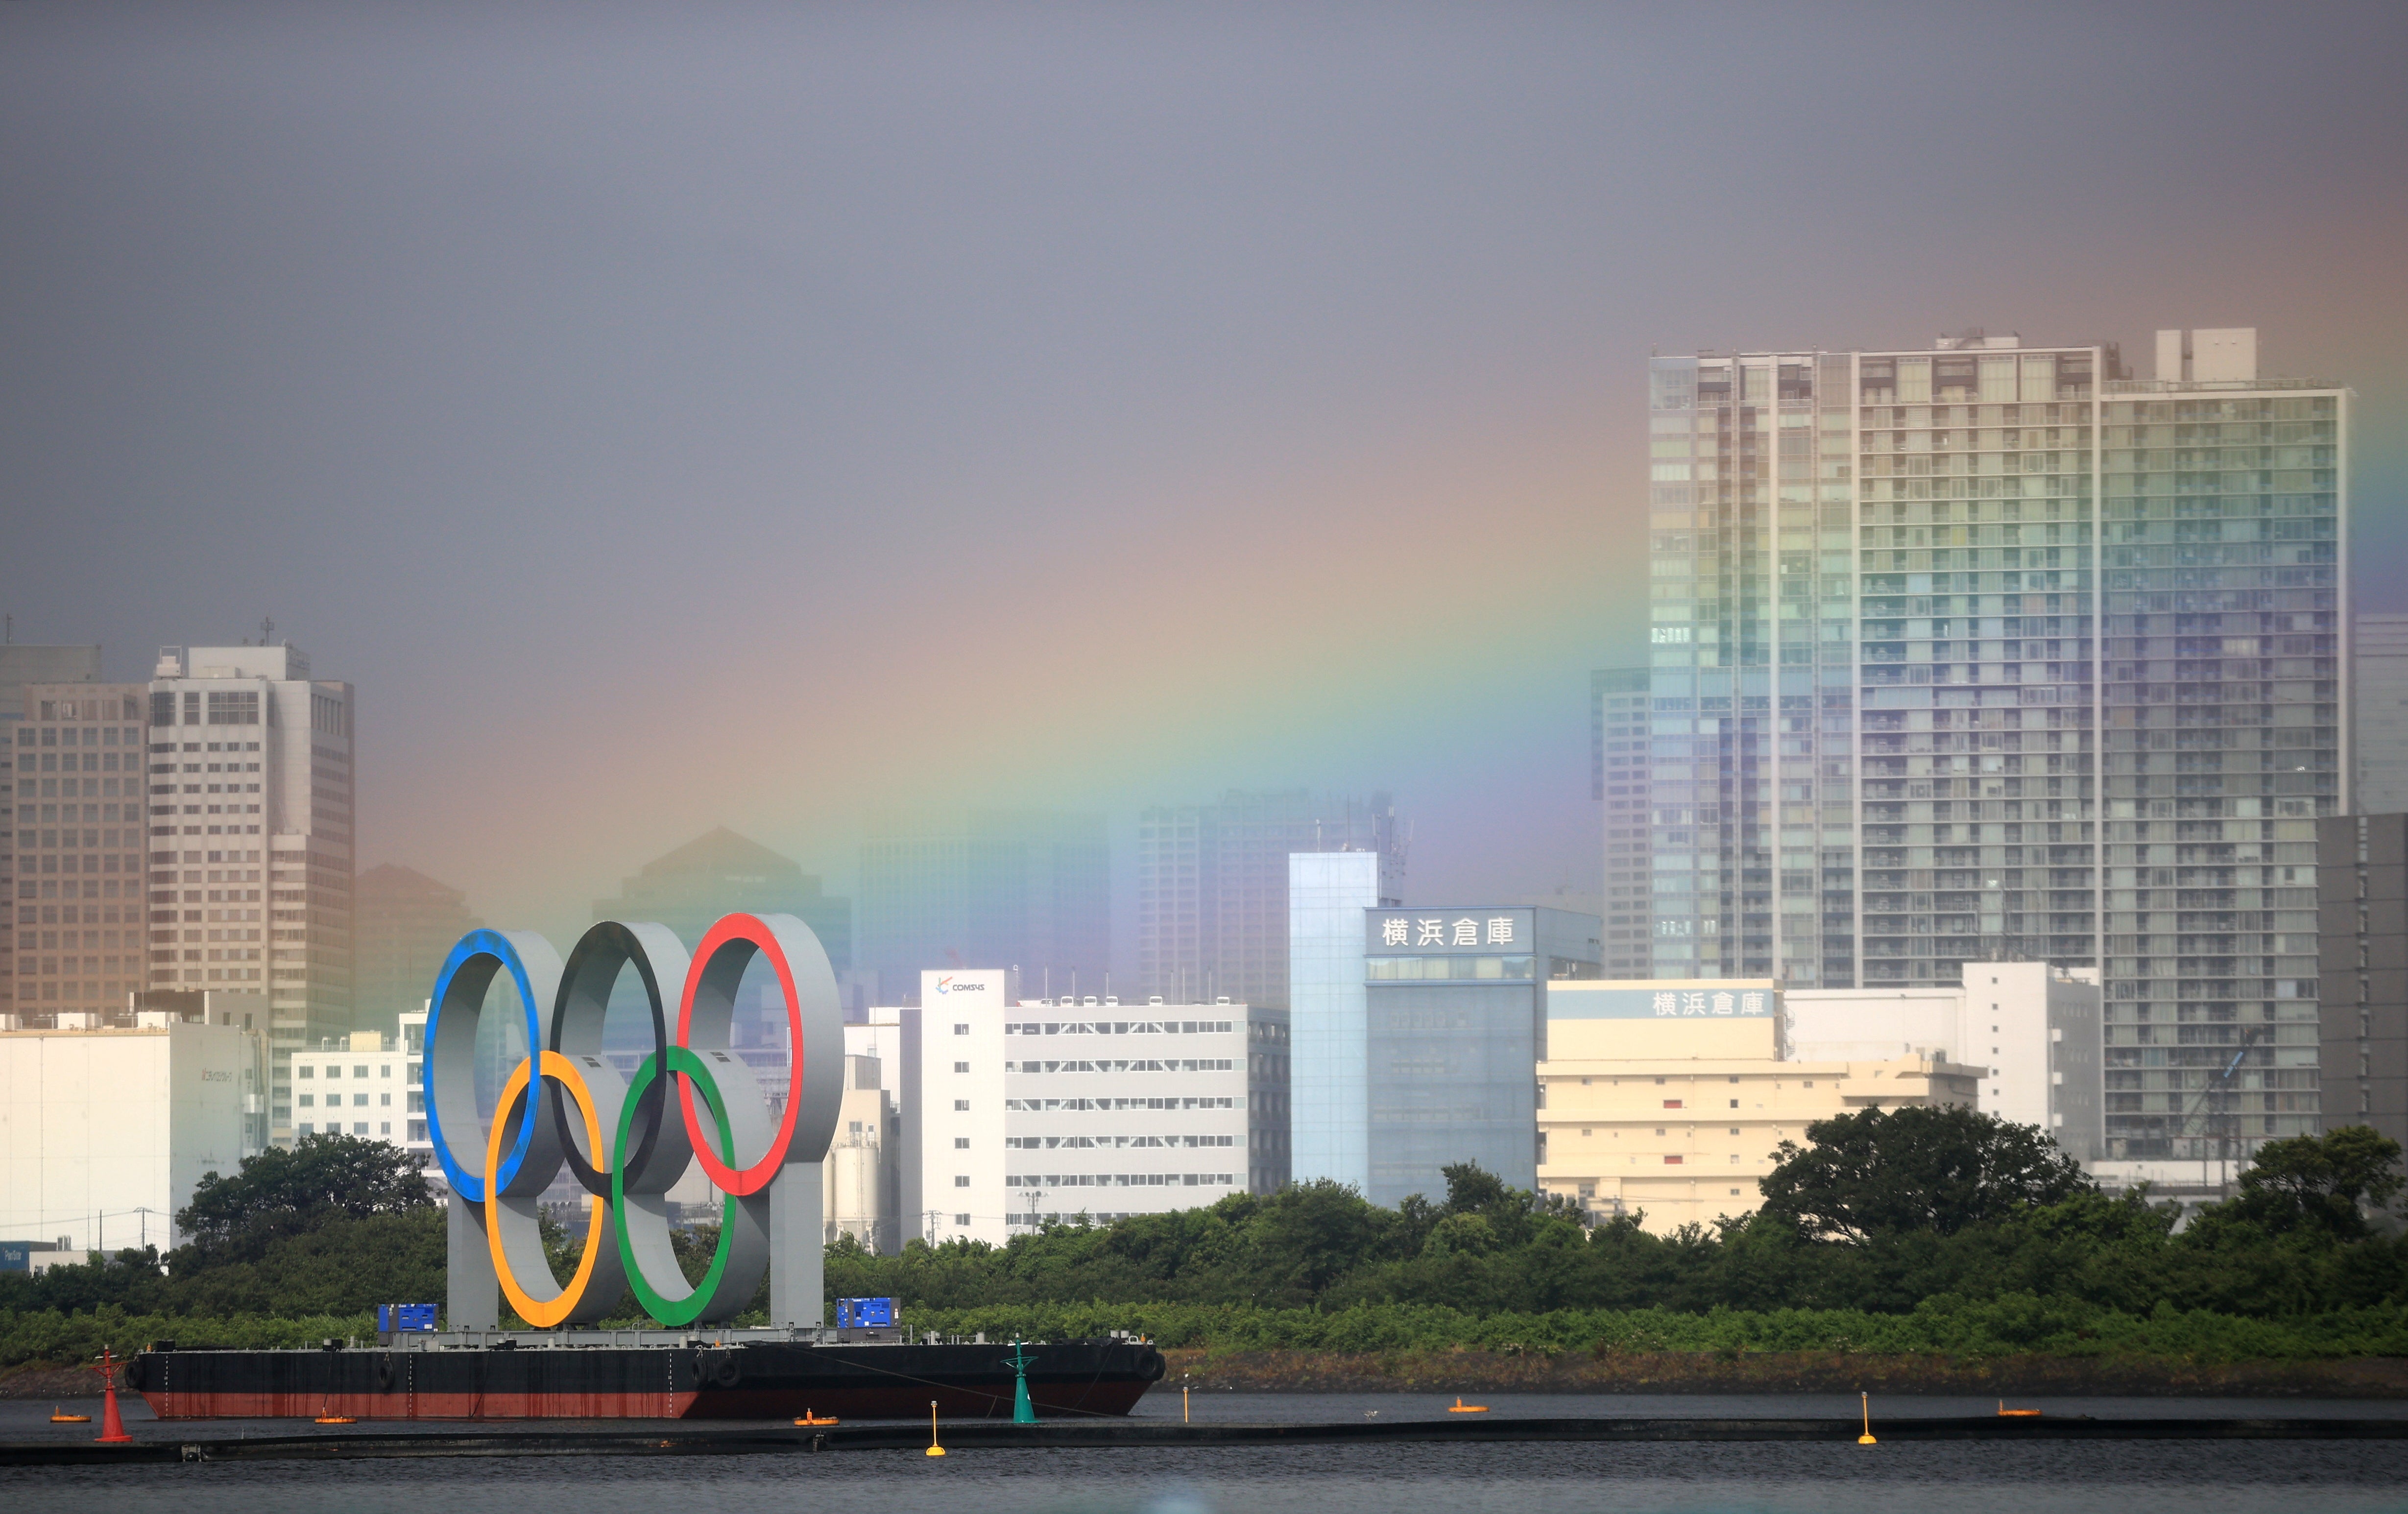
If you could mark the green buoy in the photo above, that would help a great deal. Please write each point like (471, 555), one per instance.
(1022, 1411)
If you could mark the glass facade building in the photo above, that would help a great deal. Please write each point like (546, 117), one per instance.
(1327, 893)
(1987, 651)
(1455, 1027)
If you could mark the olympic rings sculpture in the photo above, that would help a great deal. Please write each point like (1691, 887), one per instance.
(565, 1104)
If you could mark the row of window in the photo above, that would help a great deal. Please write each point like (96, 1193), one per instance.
(1115, 1179)
(1121, 1027)
(1103, 1064)
(1049, 1143)
(359, 1127)
(1112, 1106)
(358, 1100)
(58, 735)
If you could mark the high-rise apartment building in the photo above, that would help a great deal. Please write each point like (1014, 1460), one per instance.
(2379, 684)
(407, 924)
(2362, 878)
(1988, 651)
(76, 890)
(1027, 889)
(252, 817)
(1213, 883)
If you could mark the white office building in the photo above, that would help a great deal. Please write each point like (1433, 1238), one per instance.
(358, 1086)
(2033, 1030)
(105, 1134)
(251, 794)
(1051, 1109)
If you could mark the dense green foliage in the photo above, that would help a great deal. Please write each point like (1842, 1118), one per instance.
(1939, 1168)
(286, 1192)
(1883, 1233)
(1488, 1249)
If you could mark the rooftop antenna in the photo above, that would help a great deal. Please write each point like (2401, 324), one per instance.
(266, 631)
(10, 624)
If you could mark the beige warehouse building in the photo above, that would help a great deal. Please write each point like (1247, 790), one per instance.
(105, 1134)
(1666, 1098)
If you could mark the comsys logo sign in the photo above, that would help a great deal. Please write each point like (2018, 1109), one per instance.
(948, 983)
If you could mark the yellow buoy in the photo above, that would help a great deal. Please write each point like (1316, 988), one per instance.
(1462, 1408)
(934, 1450)
(1867, 1439)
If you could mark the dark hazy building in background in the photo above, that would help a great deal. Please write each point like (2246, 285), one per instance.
(77, 857)
(722, 873)
(19, 666)
(1029, 890)
(406, 924)
(1212, 887)
(2362, 886)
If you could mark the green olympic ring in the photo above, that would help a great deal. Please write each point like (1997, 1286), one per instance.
(741, 1255)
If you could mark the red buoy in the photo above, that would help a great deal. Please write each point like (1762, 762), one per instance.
(112, 1428)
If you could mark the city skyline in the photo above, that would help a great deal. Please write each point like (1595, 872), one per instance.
(1022, 414)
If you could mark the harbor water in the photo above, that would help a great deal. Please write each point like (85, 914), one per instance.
(1925, 1477)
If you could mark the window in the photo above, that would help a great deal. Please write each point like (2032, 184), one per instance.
(386, 1100)
(359, 1127)
(960, 1066)
(358, 1072)
(386, 1129)
(961, 1143)
(961, 1180)
(1671, 1103)
(361, 1101)
(306, 1070)
(961, 1030)
(1734, 1103)
(1672, 1162)
(961, 1105)
(308, 1100)
(304, 1127)
(961, 1219)
(334, 1072)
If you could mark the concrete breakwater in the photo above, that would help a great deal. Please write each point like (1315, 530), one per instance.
(1759, 1372)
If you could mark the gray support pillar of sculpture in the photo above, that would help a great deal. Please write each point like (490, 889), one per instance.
(473, 1293)
(798, 1261)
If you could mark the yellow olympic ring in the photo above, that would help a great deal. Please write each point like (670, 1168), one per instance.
(517, 1227)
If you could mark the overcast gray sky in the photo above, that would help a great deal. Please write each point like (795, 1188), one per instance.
(681, 415)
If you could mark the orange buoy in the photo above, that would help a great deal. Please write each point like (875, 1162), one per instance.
(808, 1418)
(56, 1418)
(2006, 1413)
(1462, 1408)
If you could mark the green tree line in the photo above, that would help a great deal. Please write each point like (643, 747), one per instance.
(1918, 1229)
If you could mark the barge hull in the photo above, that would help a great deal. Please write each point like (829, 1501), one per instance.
(761, 1380)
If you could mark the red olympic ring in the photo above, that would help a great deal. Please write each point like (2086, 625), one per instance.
(714, 982)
